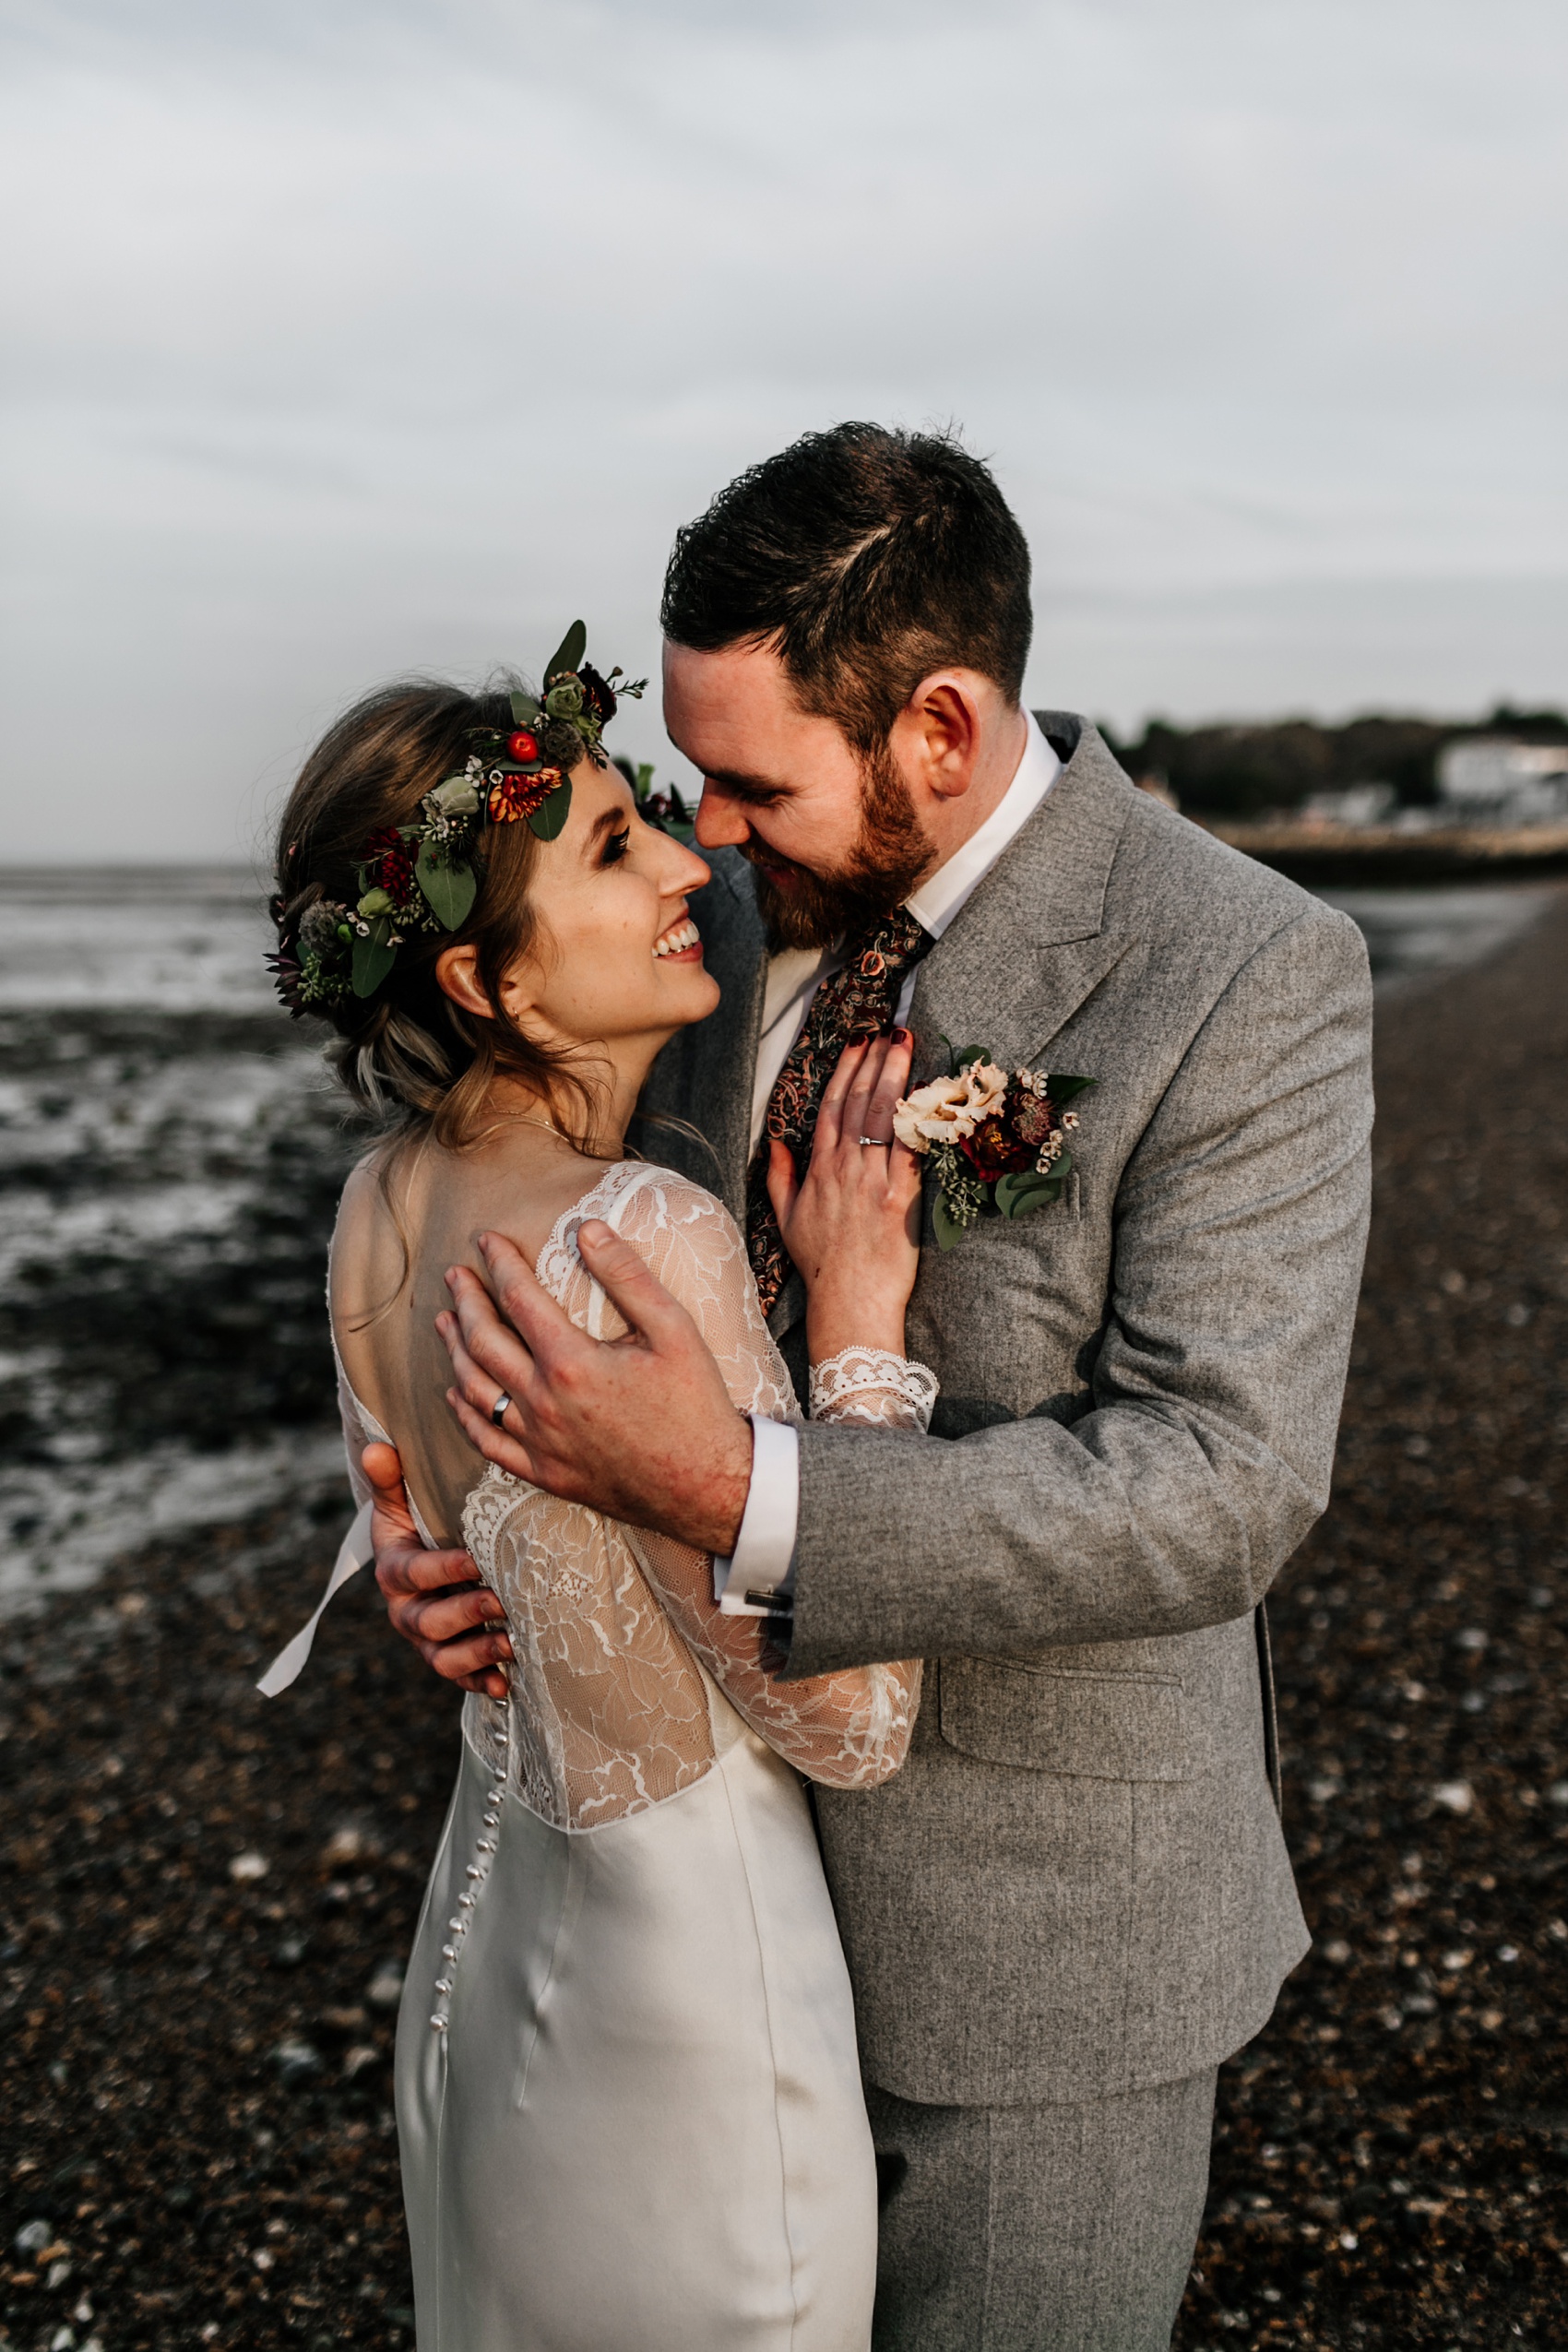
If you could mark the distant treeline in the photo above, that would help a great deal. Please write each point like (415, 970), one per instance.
(1241, 771)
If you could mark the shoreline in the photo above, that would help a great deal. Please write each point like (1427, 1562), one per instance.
(1326, 856)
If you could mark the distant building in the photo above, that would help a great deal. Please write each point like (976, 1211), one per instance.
(1493, 780)
(1359, 804)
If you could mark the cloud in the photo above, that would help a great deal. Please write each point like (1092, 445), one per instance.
(390, 336)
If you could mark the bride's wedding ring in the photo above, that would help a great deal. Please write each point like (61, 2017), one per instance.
(498, 1410)
(880, 1140)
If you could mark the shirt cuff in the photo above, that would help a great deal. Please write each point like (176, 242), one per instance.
(757, 1579)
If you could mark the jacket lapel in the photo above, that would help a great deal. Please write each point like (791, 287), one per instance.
(1031, 944)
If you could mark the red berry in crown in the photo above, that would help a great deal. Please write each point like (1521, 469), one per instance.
(522, 746)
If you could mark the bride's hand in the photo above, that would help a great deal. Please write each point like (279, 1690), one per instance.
(853, 1223)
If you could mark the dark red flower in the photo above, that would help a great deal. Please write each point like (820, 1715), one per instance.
(597, 694)
(992, 1151)
(387, 859)
(518, 796)
(1034, 1119)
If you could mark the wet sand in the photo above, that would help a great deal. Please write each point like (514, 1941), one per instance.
(206, 1894)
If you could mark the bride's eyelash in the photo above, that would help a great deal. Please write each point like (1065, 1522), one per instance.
(616, 847)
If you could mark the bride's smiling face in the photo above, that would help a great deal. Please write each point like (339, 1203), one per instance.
(615, 958)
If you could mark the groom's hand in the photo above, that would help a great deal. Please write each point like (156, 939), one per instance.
(433, 1599)
(640, 1427)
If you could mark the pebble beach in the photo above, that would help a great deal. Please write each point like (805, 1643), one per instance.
(207, 1898)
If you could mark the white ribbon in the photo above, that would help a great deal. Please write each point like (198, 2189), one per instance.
(354, 1551)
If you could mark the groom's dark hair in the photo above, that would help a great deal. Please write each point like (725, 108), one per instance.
(867, 557)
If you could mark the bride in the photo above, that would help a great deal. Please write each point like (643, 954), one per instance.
(628, 2097)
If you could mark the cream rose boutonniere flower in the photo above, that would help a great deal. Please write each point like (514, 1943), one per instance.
(998, 1143)
(948, 1109)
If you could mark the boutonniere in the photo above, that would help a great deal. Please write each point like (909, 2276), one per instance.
(998, 1144)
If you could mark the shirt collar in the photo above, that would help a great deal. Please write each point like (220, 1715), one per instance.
(942, 896)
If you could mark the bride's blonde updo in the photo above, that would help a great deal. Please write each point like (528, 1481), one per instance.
(408, 1054)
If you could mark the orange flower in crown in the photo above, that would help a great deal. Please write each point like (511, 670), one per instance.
(518, 796)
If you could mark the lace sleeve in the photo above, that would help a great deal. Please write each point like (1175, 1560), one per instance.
(874, 1386)
(849, 1730)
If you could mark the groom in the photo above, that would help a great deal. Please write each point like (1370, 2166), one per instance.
(1074, 1901)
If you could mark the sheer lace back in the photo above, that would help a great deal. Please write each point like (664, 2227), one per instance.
(609, 1712)
(625, 1671)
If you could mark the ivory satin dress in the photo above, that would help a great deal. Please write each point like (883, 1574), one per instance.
(628, 2094)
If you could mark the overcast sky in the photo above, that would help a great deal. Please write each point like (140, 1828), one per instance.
(351, 338)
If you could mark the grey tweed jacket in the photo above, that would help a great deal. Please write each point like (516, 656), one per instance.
(1079, 1886)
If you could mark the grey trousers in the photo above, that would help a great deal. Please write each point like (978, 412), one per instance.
(1047, 2228)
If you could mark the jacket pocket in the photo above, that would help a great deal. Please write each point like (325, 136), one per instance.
(1085, 1725)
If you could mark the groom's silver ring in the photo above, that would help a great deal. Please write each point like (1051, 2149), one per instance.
(498, 1410)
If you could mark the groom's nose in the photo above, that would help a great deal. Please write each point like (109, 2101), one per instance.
(721, 820)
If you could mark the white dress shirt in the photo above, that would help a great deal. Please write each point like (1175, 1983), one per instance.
(761, 1562)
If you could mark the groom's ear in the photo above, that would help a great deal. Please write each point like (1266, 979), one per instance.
(937, 735)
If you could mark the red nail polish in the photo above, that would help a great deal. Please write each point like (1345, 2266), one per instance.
(903, 1036)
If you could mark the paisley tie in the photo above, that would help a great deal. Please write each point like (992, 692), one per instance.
(856, 1001)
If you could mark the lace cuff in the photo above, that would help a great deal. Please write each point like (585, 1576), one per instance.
(874, 1386)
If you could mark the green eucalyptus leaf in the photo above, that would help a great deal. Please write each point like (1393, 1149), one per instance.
(952, 1064)
(948, 1230)
(551, 814)
(449, 891)
(1026, 1189)
(1063, 1089)
(568, 656)
(524, 709)
(1012, 1190)
(972, 1053)
(373, 958)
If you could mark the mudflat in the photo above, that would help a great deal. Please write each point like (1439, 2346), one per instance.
(207, 1897)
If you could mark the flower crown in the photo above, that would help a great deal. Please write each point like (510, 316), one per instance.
(421, 876)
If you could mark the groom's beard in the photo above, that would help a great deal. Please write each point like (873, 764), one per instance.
(888, 858)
